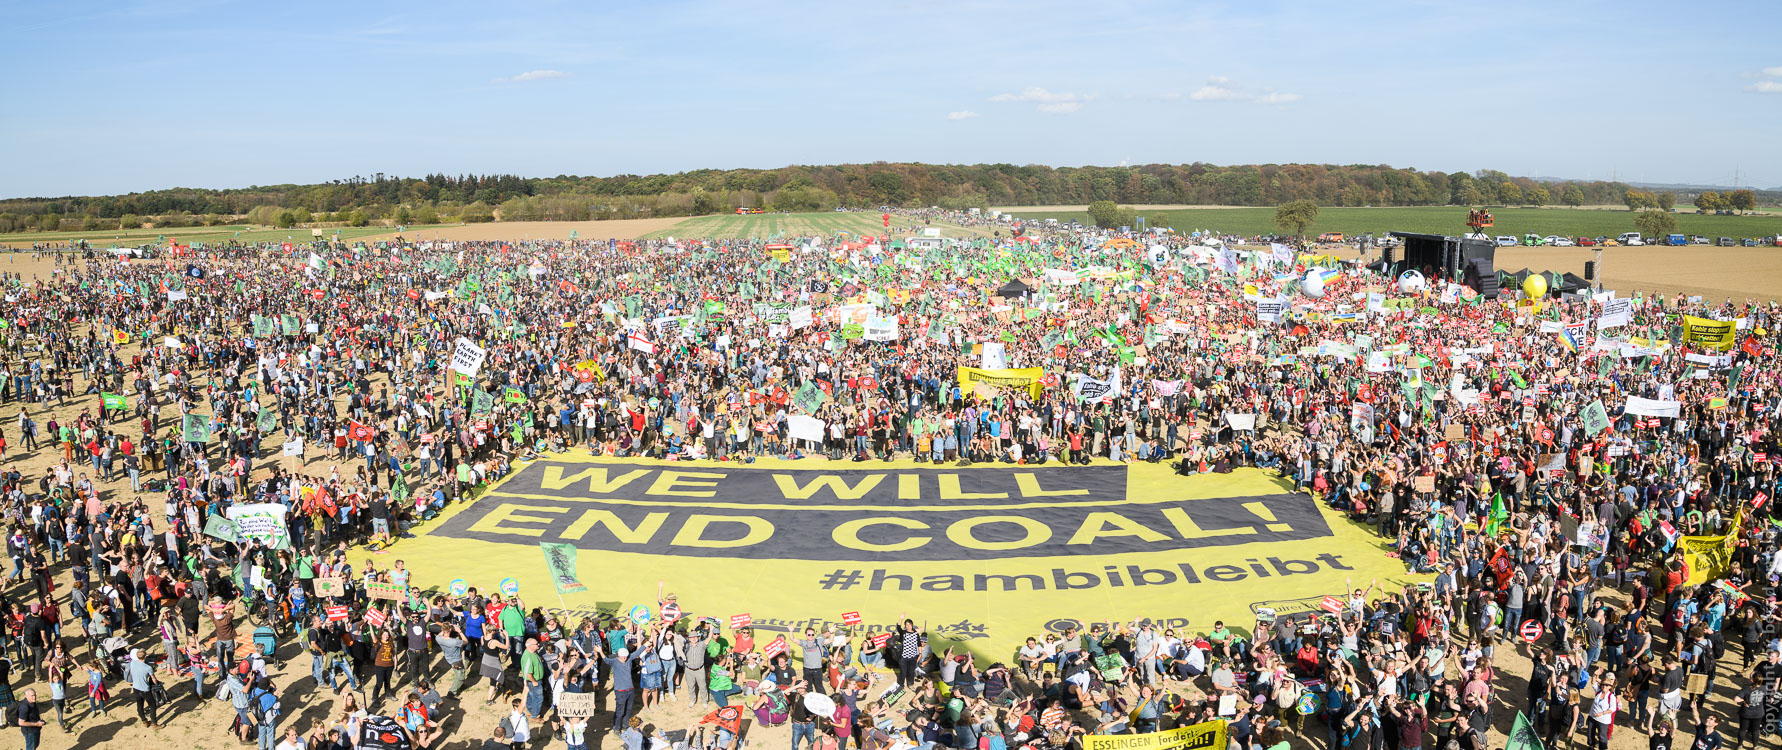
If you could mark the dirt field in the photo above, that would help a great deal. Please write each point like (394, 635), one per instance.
(622, 229)
(204, 726)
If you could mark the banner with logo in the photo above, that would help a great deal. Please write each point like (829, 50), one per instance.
(986, 555)
(1025, 377)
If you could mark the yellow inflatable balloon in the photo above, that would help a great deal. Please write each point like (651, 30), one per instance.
(1535, 286)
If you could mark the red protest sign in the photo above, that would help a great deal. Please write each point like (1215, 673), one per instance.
(376, 617)
(1332, 605)
(779, 646)
(879, 641)
(358, 431)
(851, 618)
(337, 614)
(738, 622)
(1532, 631)
(671, 612)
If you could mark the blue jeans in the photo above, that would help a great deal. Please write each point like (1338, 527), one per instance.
(805, 729)
(535, 699)
(722, 697)
(269, 734)
(318, 668)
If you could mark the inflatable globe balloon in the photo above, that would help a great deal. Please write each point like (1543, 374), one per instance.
(1411, 281)
(1313, 286)
(1535, 287)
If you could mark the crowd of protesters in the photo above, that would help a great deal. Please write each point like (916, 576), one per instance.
(156, 394)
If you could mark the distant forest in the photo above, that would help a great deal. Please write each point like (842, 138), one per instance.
(439, 198)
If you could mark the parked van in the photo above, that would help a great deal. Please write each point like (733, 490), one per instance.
(1504, 240)
(1630, 238)
(1675, 240)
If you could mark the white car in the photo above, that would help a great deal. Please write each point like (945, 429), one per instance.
(1507, 241)
(1633, 241)
(1558, 241)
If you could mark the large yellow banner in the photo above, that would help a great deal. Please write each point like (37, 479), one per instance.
(1026, 377)
(1706, 333)
(981, 557)
(1208, 735)
(1711, 556)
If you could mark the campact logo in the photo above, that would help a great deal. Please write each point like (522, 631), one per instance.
(890, 515)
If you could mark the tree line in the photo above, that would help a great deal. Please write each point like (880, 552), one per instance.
(439, 198)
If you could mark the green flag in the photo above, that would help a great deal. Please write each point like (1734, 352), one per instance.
(483, 401)
(560, 558)
(1596, 418)
(290, 324)
(268, 421)
(1499, 514)
(809, 397)
(196, 429)
(1522, 735)
(513, 395)
(114, 401)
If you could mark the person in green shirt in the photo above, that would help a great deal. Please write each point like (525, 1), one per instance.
(532, 671)
(513, 620)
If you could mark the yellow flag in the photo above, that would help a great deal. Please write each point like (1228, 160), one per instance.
(118, 335)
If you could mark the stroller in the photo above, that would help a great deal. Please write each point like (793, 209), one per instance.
(117, 652)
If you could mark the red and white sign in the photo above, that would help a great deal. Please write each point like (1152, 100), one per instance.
(738, 622)
(376, 617)
(1532, 631)
(337, 614)
(671, 612)
(779, 646)
(1757, 502)
(1332, 605)
(851, 618)
(879, 641)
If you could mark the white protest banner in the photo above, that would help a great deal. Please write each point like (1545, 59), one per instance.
(801, 427)
(800, 317)
(1241, 421)
(1616, 312)
(467, 358)
(1269, 310)
(432, 296)
(177, 295)
(881, 329)
(1647, 407)
(1091, 389)
(1711, 360)
(294, 447)
(262, 522)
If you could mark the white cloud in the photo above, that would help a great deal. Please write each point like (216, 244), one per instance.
(1218, 90)
(1057, 103)
(533, 75)
(1766, 87)
(1211, 93)
(964, 114)
(1775, 71)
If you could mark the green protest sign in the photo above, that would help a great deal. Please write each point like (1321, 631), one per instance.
(1596, 418)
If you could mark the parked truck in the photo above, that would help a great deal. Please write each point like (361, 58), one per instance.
(1676, 240)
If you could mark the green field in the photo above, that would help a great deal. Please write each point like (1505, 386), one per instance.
(192, 235)
(779, 226)
(1445, 220)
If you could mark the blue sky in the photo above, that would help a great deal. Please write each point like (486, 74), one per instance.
(108, 97)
